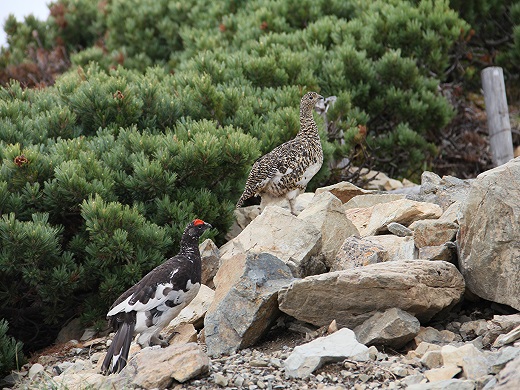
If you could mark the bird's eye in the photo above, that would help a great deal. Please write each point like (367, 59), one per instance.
(311, 97)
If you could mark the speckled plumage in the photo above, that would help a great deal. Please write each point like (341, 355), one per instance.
(286, 170)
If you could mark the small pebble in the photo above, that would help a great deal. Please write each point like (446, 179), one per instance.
(220, 379)
(239, 381)
(258, 363)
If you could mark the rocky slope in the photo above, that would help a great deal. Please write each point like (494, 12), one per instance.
(414, 287)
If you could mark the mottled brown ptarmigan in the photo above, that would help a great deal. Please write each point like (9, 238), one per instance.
(285, 171)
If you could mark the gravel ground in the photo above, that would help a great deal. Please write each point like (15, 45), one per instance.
(261, 367)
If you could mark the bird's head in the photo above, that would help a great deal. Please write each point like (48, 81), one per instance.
(309, 100)
(197, 227)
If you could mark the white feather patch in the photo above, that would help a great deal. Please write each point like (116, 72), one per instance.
(309, 174)
(153, 302)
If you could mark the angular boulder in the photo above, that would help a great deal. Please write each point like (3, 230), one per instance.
(393, 328)
(245, 303)
(432, 232)
(446, 252)
(278, 232)
(489, 245)
(397, 248)
(325, 212)
(358, 252)
(442, 191)
(422, 288)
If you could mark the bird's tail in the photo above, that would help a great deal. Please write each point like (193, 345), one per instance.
(248, 193)
(117, 354)
(240, 201)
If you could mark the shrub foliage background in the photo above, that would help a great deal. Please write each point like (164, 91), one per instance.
(163, 111)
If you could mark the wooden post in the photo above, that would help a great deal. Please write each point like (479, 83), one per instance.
(499, 127)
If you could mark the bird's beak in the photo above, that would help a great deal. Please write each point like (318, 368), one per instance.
(320, 97)
(208, 226)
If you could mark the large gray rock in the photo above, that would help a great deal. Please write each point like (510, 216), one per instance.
(497, 360)
(72, 331)
(278, 232)
(308, 357)
(489, 244)
(422, 288)
(325, 212)
(393, 328)
(245, 303)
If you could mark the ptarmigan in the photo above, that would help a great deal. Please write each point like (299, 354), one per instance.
(286, 170)
(150, 305)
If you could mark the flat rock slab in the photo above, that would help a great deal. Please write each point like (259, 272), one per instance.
(156, 367)
(344, 191)
(422, 288)
(374, 220)
(336, 347)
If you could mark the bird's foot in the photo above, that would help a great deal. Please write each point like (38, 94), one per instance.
(159, 340)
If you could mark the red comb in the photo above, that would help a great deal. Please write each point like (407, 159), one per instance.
(198, 222)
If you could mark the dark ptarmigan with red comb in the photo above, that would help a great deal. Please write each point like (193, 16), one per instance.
(150, 305)
(286, 170)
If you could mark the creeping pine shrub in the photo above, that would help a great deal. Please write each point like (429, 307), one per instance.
(85, 217)
(11, 356)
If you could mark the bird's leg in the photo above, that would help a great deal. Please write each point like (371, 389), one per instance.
(174, 333)
(291, 206)
(158, 340)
